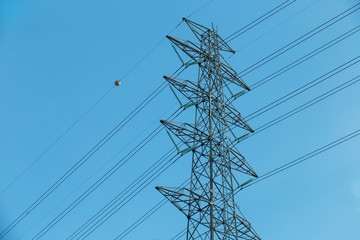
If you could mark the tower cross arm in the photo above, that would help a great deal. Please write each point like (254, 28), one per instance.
(231, 75)
(199, 31)
(190, 90)
(189, 48)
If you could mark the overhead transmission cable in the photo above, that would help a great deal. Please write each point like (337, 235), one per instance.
(134, 193)
(148, 214)
(89, 154)
(102, 179)
(55, 142)
(301, 39)
(53, 187)
(200, 8)
(94, 149)
(340, 40)
(142, 219)
(304, 88)
(259, 20)
(161, 89)
(181, 234)
(92, 175)
(97, 102)
(34, 205)
(289, 165)
(301, 159)
(260, 129)
(306, 105)
(78, 164)
(349, 33)
(296, 110)
(109, 172)
(161, 41)
(288, 97)
(278, 25)
(138, 181)
(265, 126)
(336, 42)
(306, 57)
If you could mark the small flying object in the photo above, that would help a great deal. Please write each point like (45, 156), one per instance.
(117, 83)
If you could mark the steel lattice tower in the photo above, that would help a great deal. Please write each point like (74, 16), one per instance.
(209, 201)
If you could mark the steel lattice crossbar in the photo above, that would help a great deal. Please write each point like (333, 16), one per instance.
(209, 203)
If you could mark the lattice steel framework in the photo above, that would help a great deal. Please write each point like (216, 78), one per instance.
(209, 202)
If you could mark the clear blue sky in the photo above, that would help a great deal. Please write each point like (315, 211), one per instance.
(58, 57)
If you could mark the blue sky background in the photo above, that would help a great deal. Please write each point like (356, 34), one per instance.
(58, 57)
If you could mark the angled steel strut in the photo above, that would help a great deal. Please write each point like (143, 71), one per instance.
(209, 203)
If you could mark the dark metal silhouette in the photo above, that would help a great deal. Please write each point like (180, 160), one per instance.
(209, 203)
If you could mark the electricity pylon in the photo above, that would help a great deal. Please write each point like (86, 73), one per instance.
(209, 203)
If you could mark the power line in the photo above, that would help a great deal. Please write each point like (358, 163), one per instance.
(126, 76)
(312, 102)
(301, 39)
(278, 25)
(89, 154)
(92, 106)
(148, 53)
(101, 180)
(84, 159)
(208, 211)
(92, 175)
(145, 216)
(292, 112)
(259, 20)
(161, 41)
(111, 171)
(95, 148)
(316, 100)
(55, 142)
(137, 181)
(302, 159)
(304, 88)
(292, 164)
(308, 104)
(34, 205)
(179, 235)
(306, 57)
(199, 9)
(131, 196)
(144, 58)
(142, 219)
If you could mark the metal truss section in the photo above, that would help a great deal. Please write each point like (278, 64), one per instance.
(234, 118)
(208, 203)
(199, 218)
(187, 88)
(238, 163)
(183, 198)
(195, 52)
(189, 48)
(187, 133)
(230, 75)
(199, 32)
